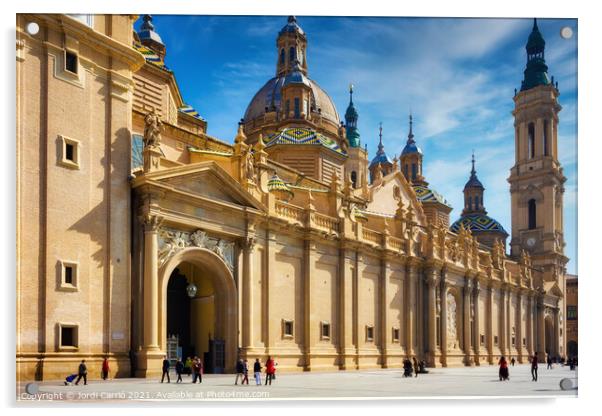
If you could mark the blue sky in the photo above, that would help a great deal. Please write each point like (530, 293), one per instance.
(457, 76)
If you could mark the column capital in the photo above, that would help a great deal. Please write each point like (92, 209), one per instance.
(476, 286)
(248, 243)
(151, 222)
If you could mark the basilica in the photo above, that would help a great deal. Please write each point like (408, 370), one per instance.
(139, 235)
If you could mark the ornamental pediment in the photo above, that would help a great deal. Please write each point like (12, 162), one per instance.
(207, 180)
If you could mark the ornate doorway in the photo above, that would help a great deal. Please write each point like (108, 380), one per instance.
(199, 306)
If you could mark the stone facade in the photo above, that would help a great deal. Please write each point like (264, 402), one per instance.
(316, 270)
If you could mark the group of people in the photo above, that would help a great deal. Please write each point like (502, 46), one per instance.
(415, 366)
(192, 366)
(242, 371)
(82, 372)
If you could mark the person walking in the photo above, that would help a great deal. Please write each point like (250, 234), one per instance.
(270, 370)
(512, 361)
(165, 369)
(257, 371)
(416, 369)
(179, 370)
(82, 372)
(245, 373)
(534, 367)
(549, 360)
(240, 368)
(105, 368)
(197, 370)
(504, 374)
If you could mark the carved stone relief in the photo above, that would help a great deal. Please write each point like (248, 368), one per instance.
(452, 341)
(173, 241)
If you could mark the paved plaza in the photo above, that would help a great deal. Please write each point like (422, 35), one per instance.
(447, 382)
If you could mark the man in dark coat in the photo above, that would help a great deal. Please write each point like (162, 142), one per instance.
(165, 369)
(179, 370)
(82, 372)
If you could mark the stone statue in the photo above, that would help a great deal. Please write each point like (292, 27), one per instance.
(250, 167)
(152, 129)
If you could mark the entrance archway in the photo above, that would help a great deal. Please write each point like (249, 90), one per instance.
(572, 348)
(209, 319)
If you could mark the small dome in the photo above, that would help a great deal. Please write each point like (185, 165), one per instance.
(278, 187)
(425, 194)
(411, 147)
(477, 223)
(147, 30)
(296, 77)
(474, 182)
(381, 158)
(291, 27)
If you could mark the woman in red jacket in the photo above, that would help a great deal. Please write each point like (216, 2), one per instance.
(270, 370)
(504, 375)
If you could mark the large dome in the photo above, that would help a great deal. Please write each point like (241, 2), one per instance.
(269, 97)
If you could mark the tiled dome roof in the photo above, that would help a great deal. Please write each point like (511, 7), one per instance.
(302, 135)
(425, 194)
(477, 222)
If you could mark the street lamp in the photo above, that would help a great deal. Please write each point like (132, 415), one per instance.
(191, 290)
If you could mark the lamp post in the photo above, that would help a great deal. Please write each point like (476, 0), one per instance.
(191, 290)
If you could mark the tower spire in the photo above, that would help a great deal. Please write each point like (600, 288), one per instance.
(536, 71)
(380, 138)
(351, 116)
(411, 134)
(350, 94)
(473, 171)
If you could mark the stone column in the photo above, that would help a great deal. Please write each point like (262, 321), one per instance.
(556, 344)
(346, 273)
(247, 292)
(530, 325)
(502, 317)
(519, 326)
(431, 281)
(311, 332)
(490, 323)
(466, 326)
(151, 282)
(477, 332)
(266, 292)
(410, 307)
(383, 329)
(541, 330)
(443, 300)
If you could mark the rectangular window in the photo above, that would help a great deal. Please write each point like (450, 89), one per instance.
(68, 276)
(68, 336)
(395, 334)
(287, 329)
(69, 156)
(524, 342)
(513, 342)
(571, 312)
(324, 330)
(287, 108)
(71, 62)
(369, 333)
(482, 340)
(495, 340)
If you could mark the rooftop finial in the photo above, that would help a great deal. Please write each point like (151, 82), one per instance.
(148, 22)
(411, 134)
(535, 23)
(350, 93)
(292, 19)
(380, 133)
(473, 171)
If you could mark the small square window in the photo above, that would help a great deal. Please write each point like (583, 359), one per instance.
(395, 334)
(369, 333)
(287, 329)
(324, 330)
(71, 62)
(69, 152)
(68, 275)
(68, 336)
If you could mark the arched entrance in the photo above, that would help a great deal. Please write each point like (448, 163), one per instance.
(204, 325)
(572, 348)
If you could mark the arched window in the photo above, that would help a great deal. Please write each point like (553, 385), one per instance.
(470, 202)
(476, 202)
(297, 108)
(354, 179)
(291, 55)
(413, 171)
(405, 170)
(532, 214)
(282, 56)
(531, 140)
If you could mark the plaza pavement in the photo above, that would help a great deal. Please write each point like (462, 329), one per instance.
(440, 382)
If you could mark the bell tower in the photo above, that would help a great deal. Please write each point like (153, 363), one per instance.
(536, 179)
